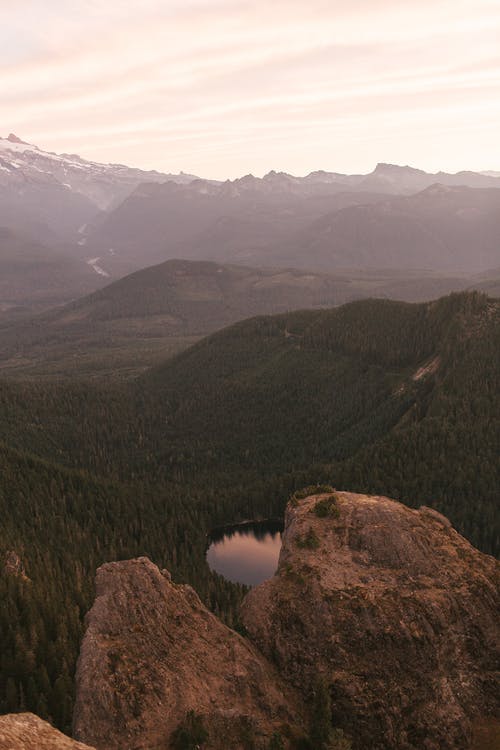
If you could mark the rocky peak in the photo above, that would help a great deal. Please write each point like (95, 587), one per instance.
(321, 175)
(394, 609)
(152, 653)
(386, 168)
(15, 139)
(280, 178)
(28, 732)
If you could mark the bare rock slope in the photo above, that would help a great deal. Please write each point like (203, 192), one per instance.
(28, 732)
(152, 653)
(395, 610)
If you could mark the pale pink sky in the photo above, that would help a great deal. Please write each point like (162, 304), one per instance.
(224, 87)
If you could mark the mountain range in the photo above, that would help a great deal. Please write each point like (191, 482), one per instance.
(309, 222)
(113, 219)
(442, 228)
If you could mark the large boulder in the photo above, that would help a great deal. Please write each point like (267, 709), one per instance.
(394, 610)
(152, 653)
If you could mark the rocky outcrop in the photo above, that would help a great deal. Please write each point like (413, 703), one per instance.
(28, 732)
(395, 610)
(152, 653)
(390, 607)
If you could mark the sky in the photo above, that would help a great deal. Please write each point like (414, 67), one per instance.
(222, 88)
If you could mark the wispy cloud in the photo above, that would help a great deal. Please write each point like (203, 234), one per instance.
(223, 88)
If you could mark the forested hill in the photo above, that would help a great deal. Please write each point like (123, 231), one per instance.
(136, 322)
(278, 396)
(376, 396)
(58, 526)
(384, 397)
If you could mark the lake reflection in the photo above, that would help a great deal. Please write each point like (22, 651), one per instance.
(247, 553)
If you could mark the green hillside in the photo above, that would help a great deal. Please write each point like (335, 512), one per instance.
(140, 320)
(270, 397)
(57, 527)
(375, 396)
(384, 397)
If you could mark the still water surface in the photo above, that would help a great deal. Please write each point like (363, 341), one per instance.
(247, 553)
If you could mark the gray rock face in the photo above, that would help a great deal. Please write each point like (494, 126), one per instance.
(396, 610)
(28, 732)
(152, 652)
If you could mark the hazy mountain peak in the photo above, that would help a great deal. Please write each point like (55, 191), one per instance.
(323, 176)
(384, 168)
(282, 176)
(61, 193)
(15, 144)
(437, 188)
(246, 178)
(13, 138)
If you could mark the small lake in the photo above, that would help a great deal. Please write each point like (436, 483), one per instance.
(247, 553)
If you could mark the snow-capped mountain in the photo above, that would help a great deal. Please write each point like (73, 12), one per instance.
(110, 219)
(102, 184)
(52, 195)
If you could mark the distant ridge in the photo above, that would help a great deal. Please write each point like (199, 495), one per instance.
(133, 322)
(115, 219)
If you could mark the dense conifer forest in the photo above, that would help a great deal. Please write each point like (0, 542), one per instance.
(376, 396)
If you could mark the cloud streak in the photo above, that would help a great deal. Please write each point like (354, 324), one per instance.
(224, 88)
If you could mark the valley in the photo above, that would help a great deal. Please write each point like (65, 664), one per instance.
(137, 322)
(225, 431)
(178, 356)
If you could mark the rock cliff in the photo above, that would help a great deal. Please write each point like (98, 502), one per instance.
(28, 732)
(152, 653)
(395, 610)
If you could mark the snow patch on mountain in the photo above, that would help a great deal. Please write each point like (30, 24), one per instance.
(105, 185)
